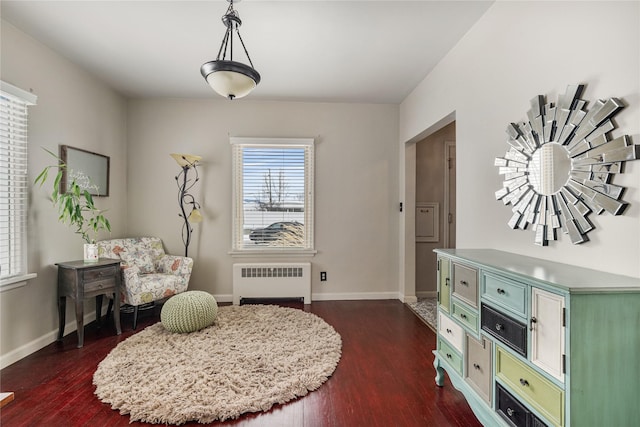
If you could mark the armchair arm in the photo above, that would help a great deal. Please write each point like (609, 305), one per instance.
(176, 265)
(130, 272)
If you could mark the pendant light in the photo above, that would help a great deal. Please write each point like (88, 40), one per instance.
(229, 78)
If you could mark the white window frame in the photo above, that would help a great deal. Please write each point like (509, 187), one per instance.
(238, 143)
(13, 166)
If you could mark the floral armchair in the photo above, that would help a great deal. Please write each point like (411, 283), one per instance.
(148, 273)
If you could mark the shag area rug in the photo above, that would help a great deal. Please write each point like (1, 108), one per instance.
(426, 309)
(252, 357)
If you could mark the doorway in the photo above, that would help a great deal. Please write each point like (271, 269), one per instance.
(435, 183)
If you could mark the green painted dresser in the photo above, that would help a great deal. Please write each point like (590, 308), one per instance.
(531, 342)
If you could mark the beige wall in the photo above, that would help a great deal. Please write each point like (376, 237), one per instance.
(518, 50)
(356, 186)
(74, 108)
(430, 172)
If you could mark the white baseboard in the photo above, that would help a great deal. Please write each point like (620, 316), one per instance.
(409, 299)
(351, 296)
(41, 342)
(426, 294)
(223, 297)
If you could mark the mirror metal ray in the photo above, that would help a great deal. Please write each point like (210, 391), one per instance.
(560, 164)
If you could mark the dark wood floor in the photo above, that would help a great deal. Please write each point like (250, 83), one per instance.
(385, 377)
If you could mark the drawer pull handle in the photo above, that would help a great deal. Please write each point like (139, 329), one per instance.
(500, 291)
(510, 412)
(446, 281)
(448, 330)
(464, 282)
(448, 355)
(524, 383)
(464, 316)
(476, 366)
(499, 327)
(533, 320)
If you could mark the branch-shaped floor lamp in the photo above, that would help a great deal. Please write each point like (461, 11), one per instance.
(188, 163)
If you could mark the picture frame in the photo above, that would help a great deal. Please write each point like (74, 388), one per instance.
(90, 170)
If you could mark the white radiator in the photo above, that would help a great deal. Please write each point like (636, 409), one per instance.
(281, 280)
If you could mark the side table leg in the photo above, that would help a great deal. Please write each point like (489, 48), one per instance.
(99, 310)
(80, 321)
(62, 311)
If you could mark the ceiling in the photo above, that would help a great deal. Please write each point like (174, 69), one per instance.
(317, 51)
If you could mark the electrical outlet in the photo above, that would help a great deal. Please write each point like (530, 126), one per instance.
(323, 276)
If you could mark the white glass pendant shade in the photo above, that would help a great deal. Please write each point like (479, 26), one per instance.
(230, 79)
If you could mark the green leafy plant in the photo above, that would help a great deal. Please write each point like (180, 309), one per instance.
(75, 206)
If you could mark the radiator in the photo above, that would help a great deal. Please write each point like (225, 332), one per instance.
(281, 280)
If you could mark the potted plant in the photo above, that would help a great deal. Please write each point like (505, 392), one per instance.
(76, 206)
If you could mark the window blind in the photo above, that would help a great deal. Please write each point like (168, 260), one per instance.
(14, 185)
(273, 193)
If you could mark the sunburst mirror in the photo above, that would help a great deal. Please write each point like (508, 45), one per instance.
(560, 164)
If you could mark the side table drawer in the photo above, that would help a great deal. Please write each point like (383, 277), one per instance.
(452, 357)
(465, 316)
(508, 294)
(100, 273)
(100, 285)
(465, 284)
(533, 388)
(504, 328)
(450, 331)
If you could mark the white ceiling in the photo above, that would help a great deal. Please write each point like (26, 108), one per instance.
(320, 51)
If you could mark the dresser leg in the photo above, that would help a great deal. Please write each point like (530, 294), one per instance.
(62, 311)
(439, 372)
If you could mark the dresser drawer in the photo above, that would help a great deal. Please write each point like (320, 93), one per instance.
(451, 331)
(508, 294)
(514, 412)
(465, 284)
(100, 273)
(452, 357)
(467, 317)
(532, 387)
(504, 328)
(478, 366)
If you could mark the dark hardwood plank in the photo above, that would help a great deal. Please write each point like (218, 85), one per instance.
(385, 377)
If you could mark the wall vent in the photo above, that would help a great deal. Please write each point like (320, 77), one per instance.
(259, 272)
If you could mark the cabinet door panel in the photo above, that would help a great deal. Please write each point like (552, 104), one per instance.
(444, 285)
(479, 366)
(547, 331)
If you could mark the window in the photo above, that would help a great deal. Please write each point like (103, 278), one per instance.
(14, 185)
(273, 194)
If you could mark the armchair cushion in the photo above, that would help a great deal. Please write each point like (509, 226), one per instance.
(148, 274)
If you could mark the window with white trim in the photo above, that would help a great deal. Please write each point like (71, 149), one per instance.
(273, 194)
(14, 184)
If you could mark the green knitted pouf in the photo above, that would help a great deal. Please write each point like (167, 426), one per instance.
(189, 312)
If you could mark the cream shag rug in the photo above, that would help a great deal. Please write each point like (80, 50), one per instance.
(252, 357)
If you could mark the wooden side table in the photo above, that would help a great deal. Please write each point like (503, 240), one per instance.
(80, 280)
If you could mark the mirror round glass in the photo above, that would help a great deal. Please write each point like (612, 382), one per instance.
(549, 168)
